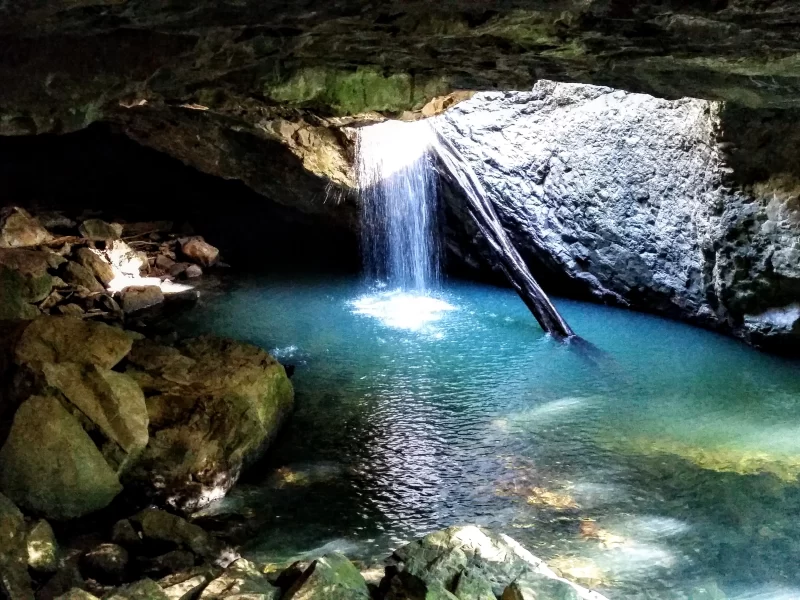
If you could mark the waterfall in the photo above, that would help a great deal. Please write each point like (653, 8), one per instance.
(397, 186)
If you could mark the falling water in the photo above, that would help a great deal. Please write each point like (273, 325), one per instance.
(398, 197)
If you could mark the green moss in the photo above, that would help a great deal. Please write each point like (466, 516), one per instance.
(345, 92)
(527, 28)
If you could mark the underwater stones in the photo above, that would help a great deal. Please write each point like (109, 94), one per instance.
(50, 466)
(51, 339)
(241, 579)
(199, 251)
(15, 583)
(96, 263)
(79, 275)
(42, 547)
(332, 577)
(112, 401)
(136, 298)
(220, 401)
(98, 230)
(19, 229)
(107, 563)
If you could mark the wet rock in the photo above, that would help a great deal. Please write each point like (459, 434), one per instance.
(192, 271)
(24, 279)
(221, 402)
(442, 559)
(199, 251)
(99, 231)
(50, 465)
(108, 563)
(159, 525)
(136, 298)
(51, 301)
(15, 583)
(96, 263)
(473, 587)
(178, 268)
(332, 577)
(241, 578)
(124, 534)
(19, 229)
(42, 547)
(112, 401)
(146, 589)
(77, 274)
(164, 262)
(63, 339)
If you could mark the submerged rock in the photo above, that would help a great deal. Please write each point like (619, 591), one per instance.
(221, 402)
(50, 466)
(332, 577)
(42, 547)
(19, 229)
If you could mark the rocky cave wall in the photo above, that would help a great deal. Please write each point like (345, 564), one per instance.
(675, 207)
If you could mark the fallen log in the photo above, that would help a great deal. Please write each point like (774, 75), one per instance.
(483, 214)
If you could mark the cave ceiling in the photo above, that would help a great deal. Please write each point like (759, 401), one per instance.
(258, 90)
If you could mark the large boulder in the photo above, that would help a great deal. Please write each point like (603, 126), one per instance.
(489, 561)
(136, 298)
(19, 229)
(65, 339)
(15, 583)
(24, 279)
(332, 577)
(50, 466)
(77, 274)
(214, 405)
(161, 526)
(112, 401)
(96, 263)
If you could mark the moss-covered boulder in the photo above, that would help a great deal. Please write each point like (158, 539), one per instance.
(50, 466)
(332, 577)
(214, 405)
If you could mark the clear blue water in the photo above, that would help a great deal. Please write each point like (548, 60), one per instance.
(667, 469)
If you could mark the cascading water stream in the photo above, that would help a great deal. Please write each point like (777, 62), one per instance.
(399, 205)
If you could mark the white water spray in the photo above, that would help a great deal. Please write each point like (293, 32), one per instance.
(399, 206)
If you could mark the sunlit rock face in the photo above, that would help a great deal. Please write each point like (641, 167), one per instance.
(665, 206)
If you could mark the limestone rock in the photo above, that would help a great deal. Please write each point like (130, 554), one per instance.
(50, 466)
(24, 279)
(15, 583)
(96, 263)
(146, 589)
(71, 310)
(199, 251)
(162, 526)
(192, 271)
(473, 587)
(107, 563)
(136, 298)
(488, 559)
(19, 229)
(332, 577)
(188, 589)
(241, 578)
(221, 402)
(65, 339)
(42, 547)
(99, 231)
(113, 401)
(77, 274)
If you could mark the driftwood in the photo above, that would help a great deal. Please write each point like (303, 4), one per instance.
(483, 214)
